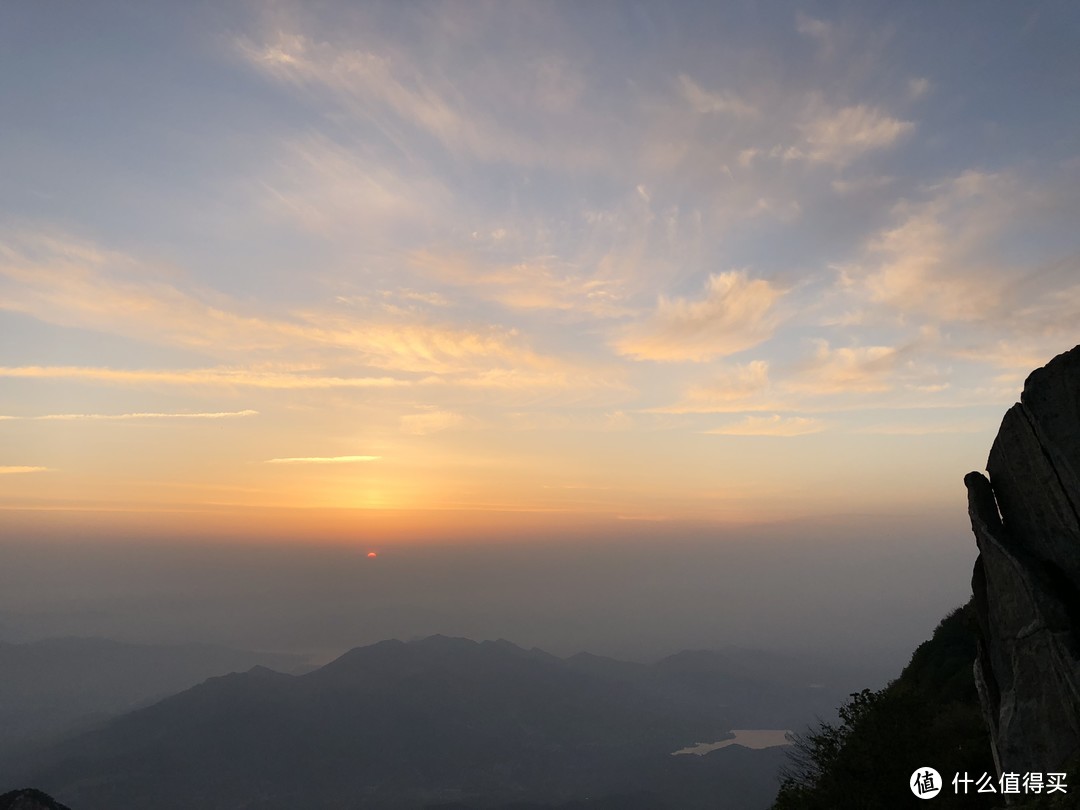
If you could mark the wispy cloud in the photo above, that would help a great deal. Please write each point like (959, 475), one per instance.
(388, 89)
(847, 369)
(708, 102)
(566, 384)
(323, 460)
(840, 137)
(527, 285)
(20, 470)
(333, 191)
(735, 313)
(812, 27)
(918, 87)
(827, 379)
(72, 283)
(937, 261)
(239, 377)
(729, 388)
(72, 417)
(775, 425)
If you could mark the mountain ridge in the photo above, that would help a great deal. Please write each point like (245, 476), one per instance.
(405, 724)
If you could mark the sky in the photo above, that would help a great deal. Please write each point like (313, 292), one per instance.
(381, 274)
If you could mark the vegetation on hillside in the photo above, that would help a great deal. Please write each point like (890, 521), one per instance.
(928, 717)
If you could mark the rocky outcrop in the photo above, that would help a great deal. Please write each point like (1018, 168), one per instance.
(1026, 520)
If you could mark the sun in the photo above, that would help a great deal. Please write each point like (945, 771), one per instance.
(372, 555)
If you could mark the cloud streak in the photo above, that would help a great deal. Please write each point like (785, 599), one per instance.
(110, 417)
(323, 460)
(239, 377)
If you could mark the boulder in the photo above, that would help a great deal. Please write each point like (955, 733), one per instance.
(1026, 583)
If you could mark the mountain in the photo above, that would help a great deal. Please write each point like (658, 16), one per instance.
(439, 722)
(51, 688)
(29, 799)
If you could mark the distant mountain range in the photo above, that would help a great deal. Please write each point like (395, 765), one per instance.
(448, 723)
(52, 688)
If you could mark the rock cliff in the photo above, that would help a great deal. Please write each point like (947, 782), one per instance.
(1026, 582)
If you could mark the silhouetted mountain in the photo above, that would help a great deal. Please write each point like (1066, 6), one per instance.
(396, 725)
(53, 687)
(29, 799)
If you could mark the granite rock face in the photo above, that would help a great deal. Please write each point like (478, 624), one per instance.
(1026, 520)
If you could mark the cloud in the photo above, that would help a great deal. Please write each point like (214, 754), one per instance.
(20, 470)
(867, 369)
(937, 259)
(323, 460)
(736, 313)
(840, 137)
(66, 417)
(364, 81)
(69, 282)
(812, 27)
(390, 88)
(422, 424)
(828, 379)
(774, 425)
(72, 283)
(918, 87)
(527, 285)
(711, 103)
(566, 384)
(322, 187)
(728, 388)
(242, 377)
(431, 298)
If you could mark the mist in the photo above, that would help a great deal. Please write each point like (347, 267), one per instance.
(870, 588)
